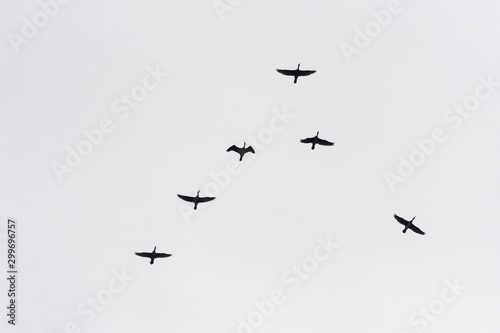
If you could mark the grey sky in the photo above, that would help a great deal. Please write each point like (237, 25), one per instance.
(221, 89)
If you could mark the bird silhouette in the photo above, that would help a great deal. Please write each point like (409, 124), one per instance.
(317, 141)
(196, 200)
(152, 255)
(295, 72)
(242, 151)
(408, 225)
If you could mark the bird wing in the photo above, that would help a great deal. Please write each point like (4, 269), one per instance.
(143, 254)
(308, 140)
(286, 72)
(233, 148)
(400, 220)
(417, 230)
(185, 197)
(306, 73)
(205, 199)
(249, 149)
(162, 255)
(325, 143)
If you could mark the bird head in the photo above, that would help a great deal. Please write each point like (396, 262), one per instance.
(298, 67)
(244, 144)
(198, 193)
(154, 250)
(413, 219)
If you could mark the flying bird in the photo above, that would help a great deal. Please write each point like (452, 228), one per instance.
(408, 225)
(295, 72)
(152, 255)
(317, 141)
(242, 151)
(196, 200)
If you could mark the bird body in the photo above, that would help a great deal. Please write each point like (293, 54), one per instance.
(242, 151)
(152, 255)
(408, 225)
(317, 141)
(295, 72)
(196, 200)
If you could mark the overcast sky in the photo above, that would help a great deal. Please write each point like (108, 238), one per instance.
(80, 225)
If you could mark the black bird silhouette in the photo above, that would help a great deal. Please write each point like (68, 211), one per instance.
(317, 141)
(153, 255)
(242, 151)
(295, 72)
(408, 225)
(196, 200)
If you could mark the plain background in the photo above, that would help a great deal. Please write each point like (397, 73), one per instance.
(222, 88)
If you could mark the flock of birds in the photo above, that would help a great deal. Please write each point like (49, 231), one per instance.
(315, 140)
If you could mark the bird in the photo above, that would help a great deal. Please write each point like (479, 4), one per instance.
(153, 255)
(408, 225)
(295, 72)
(317, 141)
(196, 200)
(242, 151)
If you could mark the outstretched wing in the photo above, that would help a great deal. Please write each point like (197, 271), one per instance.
(205, 199)
(143, 254)
(308, 140)
(286, 72)
(325, 143)
(417, 230)
(162, 255)
(249, 149)
(306, 73)
(185, 197)
(400, 220)
(233, 148)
